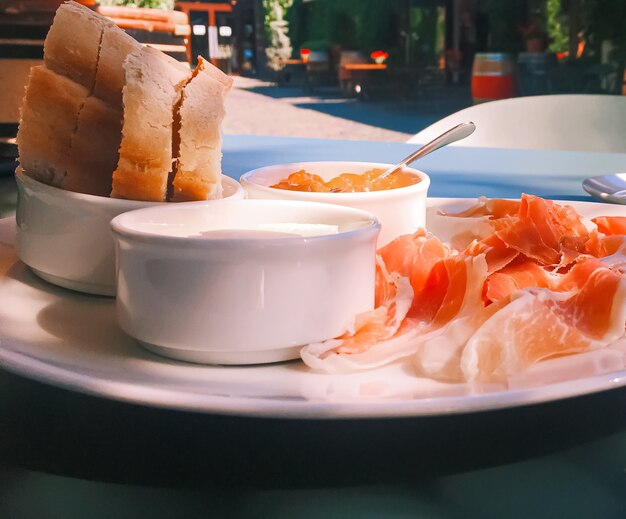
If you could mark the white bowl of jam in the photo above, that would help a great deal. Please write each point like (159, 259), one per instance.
(399, 201)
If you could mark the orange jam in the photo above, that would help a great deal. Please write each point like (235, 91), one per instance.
(347, 182)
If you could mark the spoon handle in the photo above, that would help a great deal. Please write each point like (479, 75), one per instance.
(457, 133)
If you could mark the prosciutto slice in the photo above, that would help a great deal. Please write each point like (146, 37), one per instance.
(536, 282)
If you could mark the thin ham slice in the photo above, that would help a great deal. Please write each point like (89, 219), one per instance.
(412, 256)
(460, 313)
(601, 245)
(516, 276)
(497, 253)
(535, 282)
(610, 225)
(492, 207)
(544, 231)
(376, 337)
(539, 324)
(382, 334)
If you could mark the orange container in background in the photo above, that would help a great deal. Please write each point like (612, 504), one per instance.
(493, 77)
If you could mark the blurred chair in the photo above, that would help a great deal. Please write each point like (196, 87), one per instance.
(563, 122)
(345, 75)
(601, 79)
(533, 72)
(566, 78)
(318, 70)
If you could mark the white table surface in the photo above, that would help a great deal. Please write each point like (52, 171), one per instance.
(588, 481)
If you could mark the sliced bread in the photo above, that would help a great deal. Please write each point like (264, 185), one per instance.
(94, 149)
(198, 166)
(73, 43)
(48, 122)
(115, 47)
(152, 88)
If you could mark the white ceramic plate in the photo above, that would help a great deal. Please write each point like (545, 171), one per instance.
(72, 341)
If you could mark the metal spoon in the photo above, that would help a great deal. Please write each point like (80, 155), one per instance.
(608, 188)
(457, 133)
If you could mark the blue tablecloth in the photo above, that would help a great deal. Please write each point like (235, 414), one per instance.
(455, 171)
(588, 481)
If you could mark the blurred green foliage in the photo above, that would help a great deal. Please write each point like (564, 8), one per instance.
(424, 24)
(270, 10)
(353, 24)
(368, 25)
(558, 26)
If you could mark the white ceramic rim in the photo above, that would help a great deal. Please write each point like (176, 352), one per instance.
(120, 225)
(168, 398)
(249, 178)
(125, 204)
(50, 372)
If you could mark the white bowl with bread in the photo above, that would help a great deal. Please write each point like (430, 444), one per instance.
(401, 210)
(242, 281)
(65, 237)
(109, 125)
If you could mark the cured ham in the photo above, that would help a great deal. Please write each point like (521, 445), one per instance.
(517, 276)
(610, 225)
(375, 338)
(458, 315)
(492, 207)
(539, 324)
(538, 282)
(381, 335)
(543, 231)
(497, 253)
(412, 256)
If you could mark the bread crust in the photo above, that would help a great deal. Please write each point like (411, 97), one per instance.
(48, 122)
(94, 149)
(198, 168)
(152, 89)
(115, 47)
(215, 73)
(72, 46)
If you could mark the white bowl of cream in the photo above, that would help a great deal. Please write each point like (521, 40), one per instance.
(242, 281)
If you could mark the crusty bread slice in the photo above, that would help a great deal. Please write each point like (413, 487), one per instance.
(115, 47)
(198, 167)
(94, 149)
(215, 73)
(48, 121)
(152, 88)
(73, 43)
